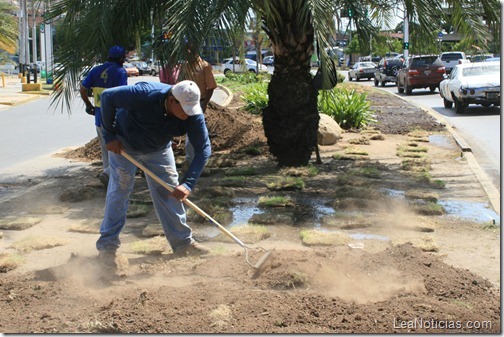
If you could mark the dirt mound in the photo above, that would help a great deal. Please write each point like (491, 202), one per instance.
(317, 290)
(231, 130)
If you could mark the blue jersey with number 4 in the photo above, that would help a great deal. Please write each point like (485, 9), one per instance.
(107, 75)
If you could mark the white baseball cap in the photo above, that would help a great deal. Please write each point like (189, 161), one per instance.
(188, 94)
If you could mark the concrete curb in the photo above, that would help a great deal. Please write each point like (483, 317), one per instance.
(491, 191)
(22, 100)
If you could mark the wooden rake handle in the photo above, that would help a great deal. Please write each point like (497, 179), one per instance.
(186, 201)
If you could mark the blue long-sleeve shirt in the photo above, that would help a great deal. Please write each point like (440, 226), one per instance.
(136, 113)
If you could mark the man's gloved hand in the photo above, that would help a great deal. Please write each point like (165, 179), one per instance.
(90, 110)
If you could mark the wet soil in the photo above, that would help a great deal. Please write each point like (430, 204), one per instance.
(396, 265)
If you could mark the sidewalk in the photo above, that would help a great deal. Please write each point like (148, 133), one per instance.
(11, 92)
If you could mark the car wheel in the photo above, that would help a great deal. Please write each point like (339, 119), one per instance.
(226, 71)
(252, 71)
(349, 77)
(459, 106)
(399, 88)
(357, 78)
(382, 82)
(375, 82)
(153, 72)
(407, 89)
(432, 89)
(447, 103)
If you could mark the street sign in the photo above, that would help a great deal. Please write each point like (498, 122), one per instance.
(440, 34)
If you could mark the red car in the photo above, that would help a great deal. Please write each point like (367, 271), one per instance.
(420, 71)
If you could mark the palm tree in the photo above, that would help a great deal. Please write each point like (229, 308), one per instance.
(294, 27)
(8, 27)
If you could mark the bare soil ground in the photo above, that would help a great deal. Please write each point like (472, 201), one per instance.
(385, 260)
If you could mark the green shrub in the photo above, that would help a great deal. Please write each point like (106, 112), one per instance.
(256, 98)
(348, 108)
(248, 77)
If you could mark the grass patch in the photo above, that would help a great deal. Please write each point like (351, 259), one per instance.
(429, 208)
(233, 181)
(312, 237)
(421, 195)
(243, 171)
(308, 171)
(369, 172)
(417, 165)
(19, 223)
(275, 201)
(339, 156)
(221, 316)
(252, 150)
(10, 262)
(356, 151)
(152, 246)
(418, 133)
(427, 245)
(359, 141)
(409, 148)
(287, 184)
(410, 154)
(377, 137)
(31, 243)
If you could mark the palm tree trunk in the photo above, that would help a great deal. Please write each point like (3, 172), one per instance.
(291, 119)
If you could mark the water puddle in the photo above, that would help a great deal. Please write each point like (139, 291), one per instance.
(243, 210)
(309, 212)
(477, 211)
(442, 141)
(392, 193)
(365, 236)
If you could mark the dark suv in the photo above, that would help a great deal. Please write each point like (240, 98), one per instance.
(387, 70)
(420, 71)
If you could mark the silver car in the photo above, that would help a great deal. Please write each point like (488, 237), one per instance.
(362, 70)
(472, 83)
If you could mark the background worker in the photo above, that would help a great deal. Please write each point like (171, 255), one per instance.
(200, 71)
(108, 75)
(141, 120)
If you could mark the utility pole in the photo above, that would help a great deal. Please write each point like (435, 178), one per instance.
(21, 39)
(34, 42)
(152, 37)
(406, 35)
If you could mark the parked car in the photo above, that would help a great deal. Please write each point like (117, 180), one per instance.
(143, 67)
(269, 61)
(131, 70)
(451, 58)
(241, 65)
(155, 68)
(362, 70)
(493, 59)
(420, 71)
(480, 57)
(472, 83)
(387, 70)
